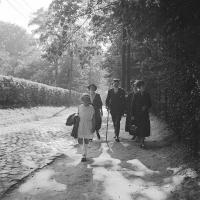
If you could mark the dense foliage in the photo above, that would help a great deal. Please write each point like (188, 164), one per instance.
(66, 44)
(158, 41)
(18, 92)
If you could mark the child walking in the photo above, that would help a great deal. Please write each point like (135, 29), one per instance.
(86, 125)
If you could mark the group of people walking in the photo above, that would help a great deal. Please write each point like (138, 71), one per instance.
(136, 107)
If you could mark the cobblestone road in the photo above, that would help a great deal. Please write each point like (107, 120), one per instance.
(25, 147)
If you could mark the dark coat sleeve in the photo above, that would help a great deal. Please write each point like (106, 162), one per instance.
(128, 104)
(147, 101)
(133, 104)
(100, 104)
(108, 99)
(149, 104)
(123, 101)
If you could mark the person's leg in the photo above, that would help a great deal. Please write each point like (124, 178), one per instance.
(84, 150)
(117, 125)
(98, 123)
(114, 122)
(142, 142)
(98, 135)
(85, 147)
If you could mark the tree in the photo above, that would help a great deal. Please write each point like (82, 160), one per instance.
(13, 38)
(62, 35)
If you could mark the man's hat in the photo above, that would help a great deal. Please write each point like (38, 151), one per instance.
(116, 80)
(92, 85)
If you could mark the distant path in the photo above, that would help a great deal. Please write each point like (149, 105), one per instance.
(124, 172)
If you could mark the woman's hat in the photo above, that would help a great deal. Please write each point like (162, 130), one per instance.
(139, 83)
(92, 85)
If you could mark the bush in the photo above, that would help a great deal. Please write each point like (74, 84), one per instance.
(15, 92)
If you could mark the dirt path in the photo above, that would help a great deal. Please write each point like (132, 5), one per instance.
(121, 171)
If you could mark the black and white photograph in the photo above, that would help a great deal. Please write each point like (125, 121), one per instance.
(99, 100)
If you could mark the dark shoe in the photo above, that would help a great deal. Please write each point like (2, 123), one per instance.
(83, 159)
(90, 140)
(98, 136)
(117, 140)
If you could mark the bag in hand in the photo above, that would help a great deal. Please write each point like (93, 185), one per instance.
(73, 119)
(70, 119)
(133, 128)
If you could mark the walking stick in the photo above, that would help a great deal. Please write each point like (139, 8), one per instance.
(107, 127)
(107, 124)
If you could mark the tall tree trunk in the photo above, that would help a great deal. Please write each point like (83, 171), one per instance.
(70, 75)
(123, 75)
(56, 72)
(128, 63)
(123, 53)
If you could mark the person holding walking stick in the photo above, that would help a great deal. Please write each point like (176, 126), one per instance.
(115, 103)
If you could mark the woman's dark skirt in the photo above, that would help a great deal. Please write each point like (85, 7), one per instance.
(98, 120)
(143, 124)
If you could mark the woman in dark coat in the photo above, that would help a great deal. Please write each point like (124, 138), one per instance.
(140, 112)
(97, 104)
(129, 101)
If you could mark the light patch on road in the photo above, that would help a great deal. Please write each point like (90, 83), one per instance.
(105, 158)
(29, 163)
(120, 186)
(42, 182)
(140, 168)
(72, 153)
(109, 171)
(66, 147)
(125, 144)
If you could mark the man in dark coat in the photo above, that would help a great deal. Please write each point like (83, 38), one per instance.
(140, 112)
(115, 102)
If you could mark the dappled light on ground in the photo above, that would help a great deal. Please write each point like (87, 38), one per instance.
(41, 183)
(128, 184)
(140, 169)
